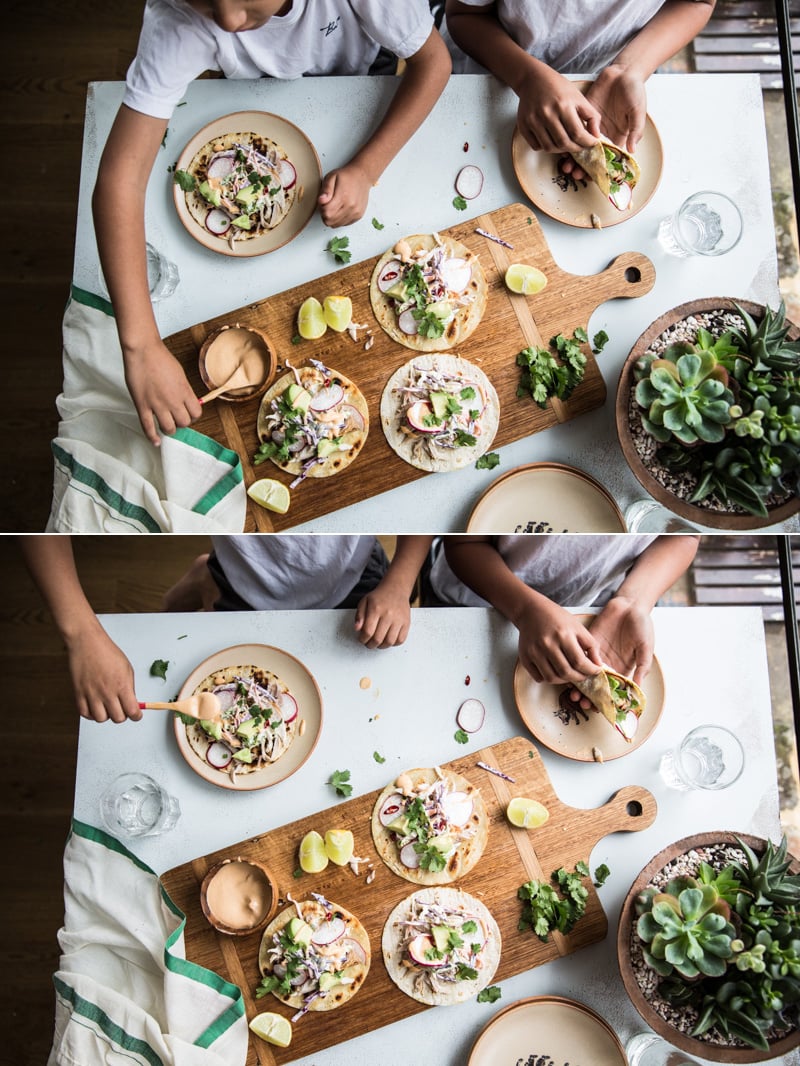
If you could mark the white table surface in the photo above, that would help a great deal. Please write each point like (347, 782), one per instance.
(704, 121)
(408, 715)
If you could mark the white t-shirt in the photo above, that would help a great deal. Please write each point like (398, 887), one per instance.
(177, 44)
(573, 570)
(571, 36)
(274, 572)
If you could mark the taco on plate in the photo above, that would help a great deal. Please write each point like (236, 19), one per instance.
(428, 292)
(611, 168)
(314, 955)
(430, 826)
(259, 720)
(441, 946)
(312, 422)
(239, 185)
(618, 698)
(439, 412)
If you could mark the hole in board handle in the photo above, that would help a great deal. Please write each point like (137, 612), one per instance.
(633, 275)
(634, 809)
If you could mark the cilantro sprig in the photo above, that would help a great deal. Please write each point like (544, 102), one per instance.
(338, 247)
(544, 910)
(553, 372)
(340, 779)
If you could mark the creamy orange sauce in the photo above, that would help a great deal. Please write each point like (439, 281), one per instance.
(238, 895)
(234, 347)
(365, 682)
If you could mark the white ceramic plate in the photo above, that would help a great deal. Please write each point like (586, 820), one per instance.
(545, 498)
(575, 206)
(547, 1028)
(304, 158)
(588, 730)
(301, 685)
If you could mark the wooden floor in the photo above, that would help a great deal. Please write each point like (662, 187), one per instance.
(49, 51)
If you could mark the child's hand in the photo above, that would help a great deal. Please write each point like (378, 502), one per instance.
(102, 677)
(160, 390)
(624, 634)
(554, 645)
(344, 195)
(621, 99)
(383, 618)
(554, 115)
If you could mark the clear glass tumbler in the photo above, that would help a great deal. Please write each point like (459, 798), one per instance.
(707, 223)
(647, 1049)
(162, 276)
(708, 757)
(134, 805)
(648, 516)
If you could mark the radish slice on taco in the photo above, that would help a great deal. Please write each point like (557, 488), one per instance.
(612, 169)
(618, 698)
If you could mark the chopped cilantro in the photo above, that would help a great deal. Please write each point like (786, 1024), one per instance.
(297, 339)
(554, 371)
(599, 341)
(158, 668)
(430, 858)
(298, 873)
(186, 180)
(490, 994)
(459, 203)
(544, 910)
(469, 926)
(601, 875)
(338, 247)
(428, 324)
(461, 737)
(465, 440)
(488, 461)
(376, 224)
(465, 973)
(339, 779)
(376, 755)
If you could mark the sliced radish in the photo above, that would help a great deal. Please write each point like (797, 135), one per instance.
(469, 181)
(354, 415)
(286, 173)
(409, 856)
(416, 415)
(457, 807)
(327, 398)
(288, 707)
(470, 715)
(226, 697)
(417, 949)
(221, 164)
(218, 221)
(389, 275)
(392, 807)
(621, 199)
(456, 274)
(407, 322)
(354, 949)
(328, 932)
(218, 755)
(628, 725)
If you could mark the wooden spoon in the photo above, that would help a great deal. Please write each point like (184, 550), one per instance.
(237, 380)
(205, 706)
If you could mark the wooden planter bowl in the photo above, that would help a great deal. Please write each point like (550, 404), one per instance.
(704, 516)
(269, 358)
(691, 1045)
(263, 875)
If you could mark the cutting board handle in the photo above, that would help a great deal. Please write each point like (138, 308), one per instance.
(630, 274)
(629, 810)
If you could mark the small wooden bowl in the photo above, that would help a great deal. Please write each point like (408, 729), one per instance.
(704, 516)
(265, 882)
(263, 347)
(691, 1045)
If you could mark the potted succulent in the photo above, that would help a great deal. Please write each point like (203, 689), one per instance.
(708, 413)
(709, 947)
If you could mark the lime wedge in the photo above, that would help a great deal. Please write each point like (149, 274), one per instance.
(273, 1028)
(311, 322)
(526, 813)
(271, 494)
(525, 279)
(338, 312)
(313, 858)
(339, 846)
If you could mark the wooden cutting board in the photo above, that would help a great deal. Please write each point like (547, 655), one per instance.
(509, 324)
(512, 857)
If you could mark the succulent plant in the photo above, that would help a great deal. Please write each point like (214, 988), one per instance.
(687, 929)
(686, 396)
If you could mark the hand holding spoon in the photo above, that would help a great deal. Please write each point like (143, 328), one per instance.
(238, 379)
(203, 706)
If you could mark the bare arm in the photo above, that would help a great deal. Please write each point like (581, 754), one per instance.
(156, 381)
(383, 616)
(102, 677)
(345, 191)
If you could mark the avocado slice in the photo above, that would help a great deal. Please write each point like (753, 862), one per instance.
(327, 980)
(249, 730)
(327, 447)
(213, 729)
(243, 755)
(209, 193)
(248, 195)
(242, 222)
(298, 397)
(299, 930)
(439, 403)
(399, 825)
(441, 937)
(397, 291)
(443, 843)
(440, 309)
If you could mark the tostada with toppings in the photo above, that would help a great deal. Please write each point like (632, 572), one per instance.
(312, 422)
(617, 697)
(428, 292)
(314, 955)
(439, 412)
(612, 169)
(259, 717)
(441, 946)
(239, 186)
(430, 826)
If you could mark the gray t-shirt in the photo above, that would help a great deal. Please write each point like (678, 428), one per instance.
(573, 570)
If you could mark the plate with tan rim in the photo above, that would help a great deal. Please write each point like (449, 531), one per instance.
(546, 498)
(585, 736)
(303, 157)
(302, 686)
(547, 1029)
(541, 178)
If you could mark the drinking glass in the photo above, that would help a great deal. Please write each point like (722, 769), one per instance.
(708, 223)
(708, 757)
(647, 1049)
(135, 805)
(162, 275)
(647, 516)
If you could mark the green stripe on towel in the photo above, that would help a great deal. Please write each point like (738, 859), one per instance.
(211, 447)
(98, 836)
(123, 508)
(91, 299)
(98, 1018)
